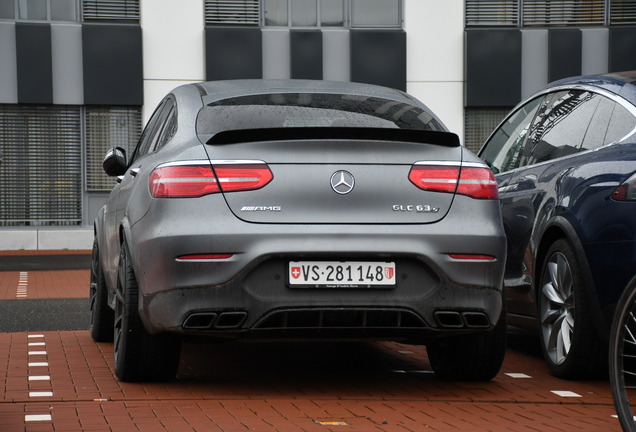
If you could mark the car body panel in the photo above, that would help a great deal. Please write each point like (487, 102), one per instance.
(242, 289)
(569, 196)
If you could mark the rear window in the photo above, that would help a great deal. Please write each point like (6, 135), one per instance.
(296, 110)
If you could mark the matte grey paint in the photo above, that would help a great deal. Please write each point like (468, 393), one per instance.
(379, 57)
(112, 64)
(622, 42)
(8, 65)
(306, 54)
(493, 67)
(253, 279)
(564, 53)
(33, 54)
(233, 53)
(68, 75)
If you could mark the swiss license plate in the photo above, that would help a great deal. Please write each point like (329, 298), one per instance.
(341, 274)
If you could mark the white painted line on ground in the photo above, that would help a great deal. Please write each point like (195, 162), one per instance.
(40, 378)
(37, 417)
(518, 375)
(31, 336)
(566, 393)
(31, 344)
(37, 352)
(40, 394)
(34, 364)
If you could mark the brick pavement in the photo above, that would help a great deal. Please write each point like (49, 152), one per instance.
(63, 381)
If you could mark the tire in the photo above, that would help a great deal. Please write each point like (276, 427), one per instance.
(570, 343)
(139, 356)
(102, 316)
(622, 358)
(471, 357)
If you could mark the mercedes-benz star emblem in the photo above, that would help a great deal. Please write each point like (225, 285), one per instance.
(342, 182)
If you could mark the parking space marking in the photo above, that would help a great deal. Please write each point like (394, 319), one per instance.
(23, 283)
(517, 375)
(37, 417)
(40, 378)
(565, 393)
(37, 340)
(40, 394)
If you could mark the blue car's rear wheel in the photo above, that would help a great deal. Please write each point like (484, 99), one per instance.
(570, 343)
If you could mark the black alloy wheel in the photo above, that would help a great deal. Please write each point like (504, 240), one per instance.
(102, 316)
(471, 357)
(139, 356)
(570, 344)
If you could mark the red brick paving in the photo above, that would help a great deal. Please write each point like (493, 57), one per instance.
(322, 387)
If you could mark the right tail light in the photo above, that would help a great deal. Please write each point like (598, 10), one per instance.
(470, 179)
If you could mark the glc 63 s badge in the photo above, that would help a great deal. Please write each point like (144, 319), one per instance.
(417, 208)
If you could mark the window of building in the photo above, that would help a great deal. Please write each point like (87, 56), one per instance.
(41, 161)
(232, 12)
(110, 10)
(69, 10)
(108, 127)
(305, 13)
(479, 124)
(39, 10)
(549, 13)
(622, 12)
(492, 13)
(376, 13)
(41, 156)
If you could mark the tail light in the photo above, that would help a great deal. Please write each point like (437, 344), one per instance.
(473, 180)
(194, 179)
(626, 191)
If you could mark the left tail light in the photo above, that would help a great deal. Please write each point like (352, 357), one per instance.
(473, 180)
(192, 180)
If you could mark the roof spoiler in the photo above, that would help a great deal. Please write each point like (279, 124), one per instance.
(445, 139)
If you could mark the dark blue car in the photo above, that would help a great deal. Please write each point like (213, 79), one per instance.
(565, 163)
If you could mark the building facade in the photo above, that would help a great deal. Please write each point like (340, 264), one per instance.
(80, 76)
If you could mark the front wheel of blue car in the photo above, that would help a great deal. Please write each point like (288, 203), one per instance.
(139, 355)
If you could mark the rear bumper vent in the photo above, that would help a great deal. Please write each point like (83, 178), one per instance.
(341, 318)
(464, 319)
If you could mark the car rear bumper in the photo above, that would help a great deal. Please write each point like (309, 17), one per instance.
(270, 309)
(248, 293)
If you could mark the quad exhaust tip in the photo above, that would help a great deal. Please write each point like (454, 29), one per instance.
(215, 320)
(463, 319)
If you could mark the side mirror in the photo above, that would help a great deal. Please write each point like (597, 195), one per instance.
(115, 162)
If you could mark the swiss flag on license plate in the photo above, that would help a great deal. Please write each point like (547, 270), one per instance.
(295, 272)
